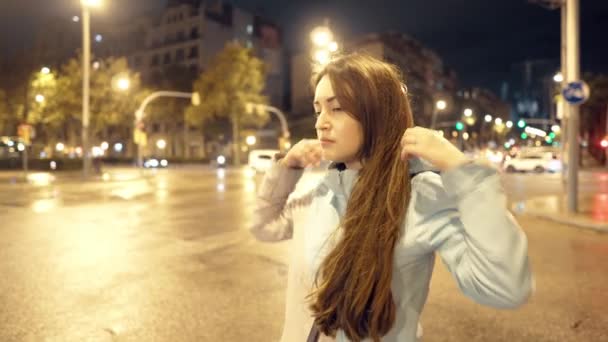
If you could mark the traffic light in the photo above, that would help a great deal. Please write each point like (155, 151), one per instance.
(459, 126)
(521, 123)
(524, 136)
(552, 135)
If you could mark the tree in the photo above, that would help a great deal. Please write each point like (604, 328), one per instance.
(110, 106)
(6, 116)
(234, 78)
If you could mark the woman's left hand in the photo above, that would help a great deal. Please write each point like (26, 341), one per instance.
(432, 147)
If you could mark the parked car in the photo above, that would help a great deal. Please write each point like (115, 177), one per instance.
(261, 160)
(536, 162)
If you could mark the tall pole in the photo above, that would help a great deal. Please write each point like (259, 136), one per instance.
(564, 107)
(572, 40)
(86, 64)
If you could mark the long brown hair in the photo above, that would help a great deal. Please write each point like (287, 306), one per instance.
(353, 284)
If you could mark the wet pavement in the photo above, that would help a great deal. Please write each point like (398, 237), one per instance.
(167, 257)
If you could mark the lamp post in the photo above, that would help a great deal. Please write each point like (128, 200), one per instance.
(86, 67)
(439, 106)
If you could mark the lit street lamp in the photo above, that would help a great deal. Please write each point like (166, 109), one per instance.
(161, 144)
(439, 106)
(558, 77)
(39, 98)
(468, 112)
(251, 140)
(123, 84)
(488, 118)
(45, 70)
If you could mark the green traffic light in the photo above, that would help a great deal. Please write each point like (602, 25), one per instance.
(524, 136)
(521, 123)
(552, 135)
(459, 126)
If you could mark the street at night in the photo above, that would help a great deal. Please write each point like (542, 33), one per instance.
(168, 257)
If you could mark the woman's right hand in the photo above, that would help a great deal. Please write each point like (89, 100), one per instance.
(307, 152)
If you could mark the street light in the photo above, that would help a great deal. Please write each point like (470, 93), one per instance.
(321, 36)
(322, 57)
(251, 140)
(488, 118)
(558, 77)
(39, 98)
(123, 84)
(161, 144)
(509, 124)
(468, 112)
(86, 66)
(45, 71)
(498, 121)
(441, 105)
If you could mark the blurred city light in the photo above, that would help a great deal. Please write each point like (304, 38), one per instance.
(161, 144)
(20, 147)
(60, 147)
(45, 70)
(98, 38)
(521, 123)
(123, 84)
(556, 128)
(321, 36)
(118, 147)
(459, 126)
(333, 47)
(465, 136)
(604, 143)
(524, 136)
(91, 3)
(509, 124)
(322, 57)
(105, 145)
(75, 18)
(251, 140)
(558, 77)
(536, 131)
(39, 98)
(488, 118)
(498, 121)
(97, 151)
(441, 105)
(468, 112)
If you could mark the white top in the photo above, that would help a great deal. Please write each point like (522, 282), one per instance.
(461, 215)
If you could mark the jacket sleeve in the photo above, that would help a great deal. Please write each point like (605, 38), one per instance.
(272, 219)
(468, 224)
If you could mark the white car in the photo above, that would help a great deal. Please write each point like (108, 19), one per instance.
(537, 162)
(261, 160)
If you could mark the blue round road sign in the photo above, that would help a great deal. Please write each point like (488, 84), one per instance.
(576, 92)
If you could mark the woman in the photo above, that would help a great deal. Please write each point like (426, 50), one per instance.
(364, 239)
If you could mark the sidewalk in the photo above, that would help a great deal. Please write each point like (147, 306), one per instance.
(593, 210)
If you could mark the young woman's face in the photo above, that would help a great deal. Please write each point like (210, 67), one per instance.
(340, 134)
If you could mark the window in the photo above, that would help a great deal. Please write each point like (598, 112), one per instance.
(181, 36)
(194, 33)
(155, 60)
(193, 52)
(167, 58)
(180, 55)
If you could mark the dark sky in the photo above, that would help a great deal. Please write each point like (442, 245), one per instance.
(481, 39)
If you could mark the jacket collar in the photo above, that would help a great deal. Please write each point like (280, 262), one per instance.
(341, 180)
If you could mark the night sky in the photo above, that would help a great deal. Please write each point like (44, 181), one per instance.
(480, 39)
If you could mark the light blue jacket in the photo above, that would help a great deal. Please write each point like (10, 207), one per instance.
(460, 214)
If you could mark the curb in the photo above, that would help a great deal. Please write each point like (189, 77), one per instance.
(583, 223)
